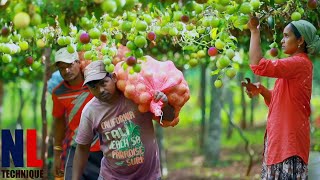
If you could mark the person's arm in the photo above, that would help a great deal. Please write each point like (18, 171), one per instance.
(266, 94)
(255, 52)
(59, 135)
(167, 109)
(168, 112)
(80, 160)
(254, 89)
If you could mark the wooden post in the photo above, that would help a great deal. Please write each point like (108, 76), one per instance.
(1, 101)
(46, 76)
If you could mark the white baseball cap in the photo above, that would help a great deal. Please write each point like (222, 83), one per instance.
(62, 55)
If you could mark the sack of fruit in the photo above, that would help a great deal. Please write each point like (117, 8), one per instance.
(154, 76)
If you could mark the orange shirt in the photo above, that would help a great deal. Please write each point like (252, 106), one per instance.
(288, 124)
(69, 101)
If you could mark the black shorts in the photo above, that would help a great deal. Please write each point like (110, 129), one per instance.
(92, 169)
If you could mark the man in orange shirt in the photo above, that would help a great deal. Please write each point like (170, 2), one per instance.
(287, 137)
(69, 98)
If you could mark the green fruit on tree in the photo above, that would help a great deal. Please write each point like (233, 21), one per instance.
(6, 49)
(21, 20)
(40, 43)
(126, 26)
(231, 72)
(295, 16)
(118, 36)
(164, 30)
(137, 68)
(36, 65)
(67, 40)
(219, 44)
(218, 83)
(96, 42)
(25, 70)
(223, 2)
(201, 30)
(193, 62)
(6, 58)
(109, 6)
(177, 15)
(106, 25)
(214, 22)
(141, 25)
(140, 41)
(224, 61)
(147, 18)
(112, 52)
(107, 61)
(61, 41)
(24, 45)
(130, 45)
(173, 31)
(231, 9)
(138, 53)
(206, 21)
(190, 27)
(131, 16)
(201, 54)
(87, 47)
(88, 55)
(19, 7)
(279, 1)
(198, 8)
(230, 53)
(27, 32)
(179, 25)
(94, 33)
(16, 37)
(120, 3)
(109, 68)
(245, 8)
(255, 4)
(36, 19)
(70, 49)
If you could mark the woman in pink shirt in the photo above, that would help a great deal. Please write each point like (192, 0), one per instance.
(287, 137)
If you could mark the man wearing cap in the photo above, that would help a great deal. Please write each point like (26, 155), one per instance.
(69, 98)
(126, 135)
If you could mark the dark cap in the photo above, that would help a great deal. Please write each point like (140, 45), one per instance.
(94, 71)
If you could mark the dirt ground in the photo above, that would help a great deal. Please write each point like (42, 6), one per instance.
(233, 163)
(233, 170)
(225, 173)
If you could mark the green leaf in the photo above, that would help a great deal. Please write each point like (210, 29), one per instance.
(215, 72)
(272, 3)
(190, 48)
(213, 33)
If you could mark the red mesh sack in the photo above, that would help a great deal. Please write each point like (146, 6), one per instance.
(154, 76)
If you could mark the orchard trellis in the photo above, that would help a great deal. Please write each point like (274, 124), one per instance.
(190, 32)
(206, 32)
